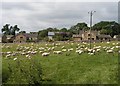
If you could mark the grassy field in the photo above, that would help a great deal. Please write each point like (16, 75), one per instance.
(66, 68)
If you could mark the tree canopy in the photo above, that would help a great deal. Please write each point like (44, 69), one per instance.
(107, 27)
(10, 30)
(79, 26)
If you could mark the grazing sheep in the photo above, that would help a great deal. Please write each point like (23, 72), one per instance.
(119, 51)
(15, 59)
(113, 43)
(57, 52)
(91, 53)
(33, 52)
(109, 51)
(13, 54)
(45, 54)
(98, 50)
(63, 47)
(23, 53)
(117, 46)
(71, 49)
(41, 51)
(8, 55)
(9, 52)
(28, 56)
(79, 51)
(64, 50)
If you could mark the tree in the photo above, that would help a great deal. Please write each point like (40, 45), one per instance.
(79, 26)
(6, 29)
(22, 32)
(107, 27)
(14, 29)
(42, 34)
(9, 30)
(64, 30)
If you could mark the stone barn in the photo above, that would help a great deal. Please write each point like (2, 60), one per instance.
(86, 35)
(77, 37)
(94, 35)
(26, 37)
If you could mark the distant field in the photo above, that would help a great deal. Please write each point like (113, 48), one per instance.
(68, 67)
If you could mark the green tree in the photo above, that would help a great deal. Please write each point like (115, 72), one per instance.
(22, 32)
(9, 30)
(14, 29)
(6, 29)
(79, 26)
(42, 34)
(64, 30)
(108, 27)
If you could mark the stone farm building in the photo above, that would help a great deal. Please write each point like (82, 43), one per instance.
(94, 35)
(26, 37)
(8, 38)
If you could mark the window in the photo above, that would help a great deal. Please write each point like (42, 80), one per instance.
(88, 34)
(21, 37)
(92, 38)
(105, 38)
(27, 38)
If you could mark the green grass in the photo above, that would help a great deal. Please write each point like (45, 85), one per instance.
(101, 68)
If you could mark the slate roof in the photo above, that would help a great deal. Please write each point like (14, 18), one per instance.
(104, 36)
(77, 36)
(29, 35)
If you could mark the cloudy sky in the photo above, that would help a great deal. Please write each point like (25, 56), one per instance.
(34, 16)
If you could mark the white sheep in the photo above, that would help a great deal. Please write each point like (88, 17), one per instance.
(91, 53)
(15, 59)
(109, 51)
(98, 50)
(28, 56)
(64, 50)
(8, 55)
(71, 49)
(79, 51)
(57, 52)
(45, 54)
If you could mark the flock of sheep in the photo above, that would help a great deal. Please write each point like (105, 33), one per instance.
(57, 48)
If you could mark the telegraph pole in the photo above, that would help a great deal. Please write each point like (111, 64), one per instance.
(91, 14)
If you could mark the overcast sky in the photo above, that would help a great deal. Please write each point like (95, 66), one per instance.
(34, 16)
